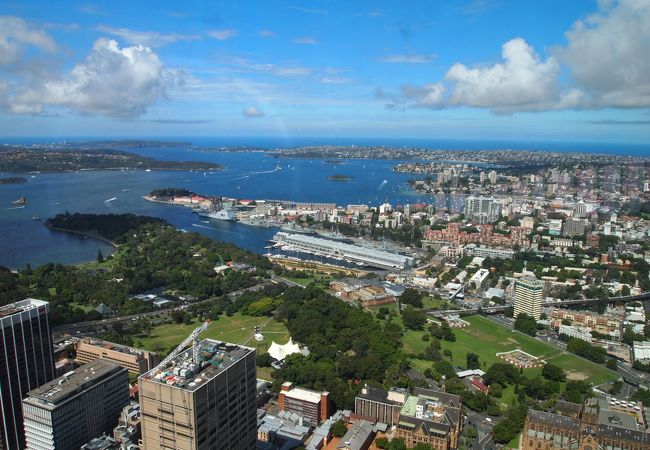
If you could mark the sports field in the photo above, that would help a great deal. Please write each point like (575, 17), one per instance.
(485, 338)
(237, 329)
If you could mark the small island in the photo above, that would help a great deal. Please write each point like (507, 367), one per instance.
(339, 178)
(26, 160)
(13, 180)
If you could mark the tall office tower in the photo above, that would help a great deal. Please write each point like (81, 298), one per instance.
(26, 362)
(202, 398)
(77, 407)
(528, 297)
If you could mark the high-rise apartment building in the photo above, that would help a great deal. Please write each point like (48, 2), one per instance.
(482, 209)
(77, 407)
(203, 398)
(528, 297)
(26, 362)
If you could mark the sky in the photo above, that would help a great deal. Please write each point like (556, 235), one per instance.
(574, 71)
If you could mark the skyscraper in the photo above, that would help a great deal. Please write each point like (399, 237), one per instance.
(77, 407)
(528, 297)
(26, 362)
(203, 398)
(482, 209)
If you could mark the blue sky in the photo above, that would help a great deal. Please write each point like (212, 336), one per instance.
(498, 70)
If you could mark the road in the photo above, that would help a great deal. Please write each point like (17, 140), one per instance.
(79, 326)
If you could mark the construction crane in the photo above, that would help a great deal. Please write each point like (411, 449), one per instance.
(193, 339)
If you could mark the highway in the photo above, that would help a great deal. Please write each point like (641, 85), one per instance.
(73, 327)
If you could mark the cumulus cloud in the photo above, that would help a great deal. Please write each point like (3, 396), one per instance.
(147, 38)
(521, 82)
(223, 35)
(16, 34)
(251, 112)
(111, 81)
(608, 54)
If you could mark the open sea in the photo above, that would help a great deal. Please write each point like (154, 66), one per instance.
(24, 239)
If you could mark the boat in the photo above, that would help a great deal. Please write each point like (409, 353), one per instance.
(20, 201)
(222, 214)
(36, 218)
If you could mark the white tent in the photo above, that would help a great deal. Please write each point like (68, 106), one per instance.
(279, 352)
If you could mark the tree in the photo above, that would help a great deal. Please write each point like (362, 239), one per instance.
(411, 297)
(100, 256)
(611, 364)
(553, 372)
(472, 361)
(526, 324)
(512, 425)
(413, 318)
(339, 429)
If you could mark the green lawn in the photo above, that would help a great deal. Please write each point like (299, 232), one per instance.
(237, 329)
(431, 303)
(85, 308)
(485, 338)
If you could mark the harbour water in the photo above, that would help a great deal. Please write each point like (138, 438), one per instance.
(24, 239)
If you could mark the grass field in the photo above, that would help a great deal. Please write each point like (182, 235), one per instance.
(485, 338)
(237, 329)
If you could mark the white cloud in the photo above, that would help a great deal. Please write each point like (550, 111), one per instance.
(110, 81)
(335, 80)
(408, 59)
(223, 35)
(321, 12)
(608, 54)
(147, 38)
(521, 82)
(16, 34)
(427, 96)
(266, 33)
(305, 40)
(251, 112)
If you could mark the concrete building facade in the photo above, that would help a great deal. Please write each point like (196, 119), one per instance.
(71, 410)
(528, 297)
(203, 399)
(26, 362)
(380, 405)
(312, 405)
(136, 361)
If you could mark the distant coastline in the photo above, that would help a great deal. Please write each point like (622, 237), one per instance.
(13, 180)
(28, 160)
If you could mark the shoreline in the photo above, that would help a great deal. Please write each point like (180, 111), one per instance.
(81, 233)
(157, 169)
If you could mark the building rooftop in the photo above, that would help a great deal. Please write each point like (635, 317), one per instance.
(376, 395)
(18, 307)
(355, 438)
(436, 411)
(302, 394)
(111, 346)
(213, 358)
(72, 383)
(555, 420)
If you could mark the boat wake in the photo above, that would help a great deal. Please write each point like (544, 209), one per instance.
(16, 207)
(110, 200)
(201, 226)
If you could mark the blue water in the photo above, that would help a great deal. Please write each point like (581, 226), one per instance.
(246, 175)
